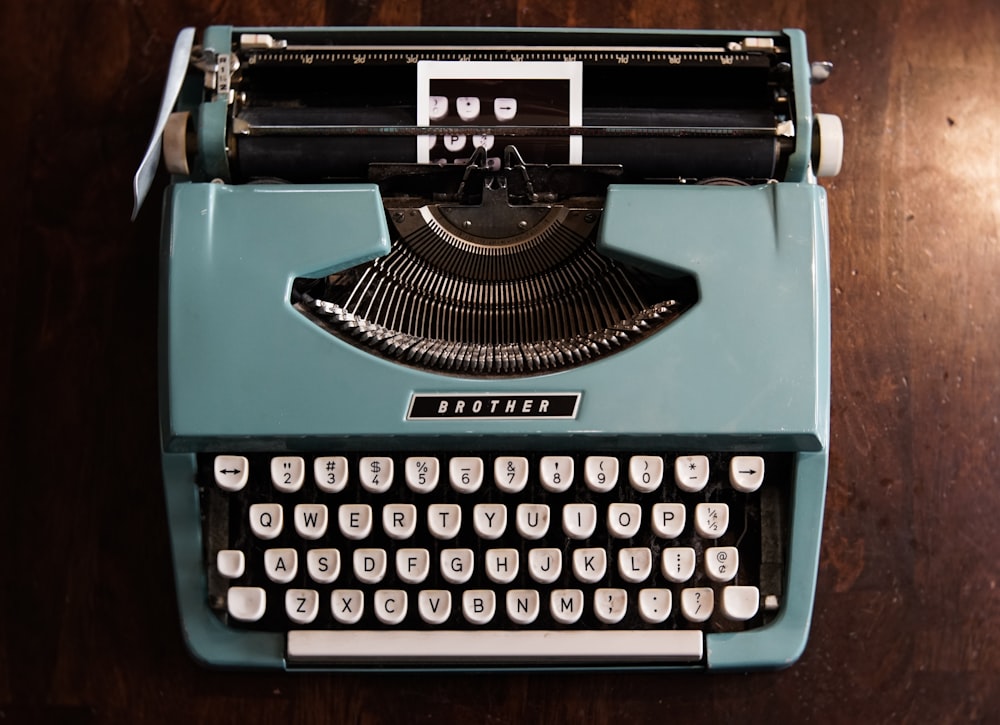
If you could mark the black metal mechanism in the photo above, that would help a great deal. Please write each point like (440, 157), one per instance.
(711, 108)
(499, 274)
(497, 271)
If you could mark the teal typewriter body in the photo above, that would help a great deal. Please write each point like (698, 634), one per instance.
(494, 348)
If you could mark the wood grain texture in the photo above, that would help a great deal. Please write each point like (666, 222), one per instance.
(907, 620)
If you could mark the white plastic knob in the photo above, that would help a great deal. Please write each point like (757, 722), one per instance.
(829, 136)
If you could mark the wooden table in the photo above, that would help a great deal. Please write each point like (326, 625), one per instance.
(907, 620)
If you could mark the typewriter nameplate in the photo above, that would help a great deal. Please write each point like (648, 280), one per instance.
(427, 406)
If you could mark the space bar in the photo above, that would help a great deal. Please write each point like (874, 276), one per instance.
(443, 646)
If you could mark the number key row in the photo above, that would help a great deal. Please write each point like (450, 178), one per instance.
(466, 474)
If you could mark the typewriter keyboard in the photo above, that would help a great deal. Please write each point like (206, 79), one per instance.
(369, 556)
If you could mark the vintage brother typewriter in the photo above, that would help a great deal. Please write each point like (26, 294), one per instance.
(494, 348)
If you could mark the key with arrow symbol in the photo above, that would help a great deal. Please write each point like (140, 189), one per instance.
(231, 472)
(746, 473)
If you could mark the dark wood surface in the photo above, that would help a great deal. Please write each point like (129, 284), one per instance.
(907, 619)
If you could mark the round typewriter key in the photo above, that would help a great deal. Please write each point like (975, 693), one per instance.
(600, 473)
(246, 604)
(566, 605)
(489, 520)
(399, 520)
(347, 605)
(678, 563)
(375, 474)
(231, 472)
(740, 603)
(579, 520)
(288, 473)
(721, 563)
(302, 605)
(413, 565)
(691, 472)
(421, 473)
(479, 605)
(311, 520)
(556, 473)
(654, 605)
(590, 565)
(266, 520)
(434, 605)
(746, 473)
(668, 519)
(510, 473)
(444, 520)
(610, 605)
(624, 519)
(323, 565)
(711, 519)
(645, 473)
(390, 605)
(370, 565)
(545, 565)
(330, 473)
(501, 565)
(697, 604)
(437, 107)
(230, 563)
(522, 605)
(355, 520)
(532, 520)
(635, 564)
(281, 565)
(457, 565)
(505, 108)
(467, 107)
(466, 474)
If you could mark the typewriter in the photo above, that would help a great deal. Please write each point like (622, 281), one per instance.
(494, 348)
